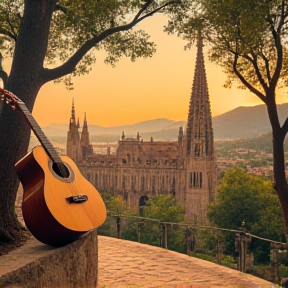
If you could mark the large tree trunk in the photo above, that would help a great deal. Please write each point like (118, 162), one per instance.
(279, 175)
(13, 145)
(278, 134)
(25, 80)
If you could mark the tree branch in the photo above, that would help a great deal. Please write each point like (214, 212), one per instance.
(279, 49)
(142, 10)
(284, 128)
(71, 63)
(266, 61)
(60, 8)
(256, 69)
(9, 34)
(245, 82)
(12, 29)
(158, 9)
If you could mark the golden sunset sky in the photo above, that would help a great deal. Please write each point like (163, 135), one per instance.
(158, 87)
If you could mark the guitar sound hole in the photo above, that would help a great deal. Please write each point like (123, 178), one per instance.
(60, 169)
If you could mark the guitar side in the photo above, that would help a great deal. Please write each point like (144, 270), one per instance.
(47, 213)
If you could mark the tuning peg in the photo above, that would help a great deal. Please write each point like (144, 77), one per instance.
(11, 103)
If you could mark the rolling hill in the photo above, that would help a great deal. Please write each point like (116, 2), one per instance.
(239, 123)
(246, 122)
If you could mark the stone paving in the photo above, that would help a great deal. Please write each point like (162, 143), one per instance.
(129, 264)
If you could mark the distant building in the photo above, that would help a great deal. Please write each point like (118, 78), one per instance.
(78, 147)
(185, 168)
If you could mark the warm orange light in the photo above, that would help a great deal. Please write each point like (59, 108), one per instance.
(159, 87)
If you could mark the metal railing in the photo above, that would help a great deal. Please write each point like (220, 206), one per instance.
(242, 238)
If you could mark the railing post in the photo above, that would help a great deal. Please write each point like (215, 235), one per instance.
(160, 234)
(218, 252)
(140, 224)
(139, 233)
(166, 236)
(118, 227)
(274, 258)
(194, 239)
(277, 251)
(241, 246)
(188, 240)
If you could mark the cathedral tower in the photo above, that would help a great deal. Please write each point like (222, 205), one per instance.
(200, 159)
(73, 149)
(86, 147)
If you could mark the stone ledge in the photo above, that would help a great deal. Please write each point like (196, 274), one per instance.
(36, 265)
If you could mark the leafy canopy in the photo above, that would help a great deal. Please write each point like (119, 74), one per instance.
(248, 38)
(77, 24)
(162, 208)
(249, 199)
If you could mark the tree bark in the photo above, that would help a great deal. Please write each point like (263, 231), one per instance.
(280, 181)
(278, 137)
(24, 81)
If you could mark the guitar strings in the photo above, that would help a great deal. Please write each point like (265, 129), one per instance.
(45, 143)
(49, 149)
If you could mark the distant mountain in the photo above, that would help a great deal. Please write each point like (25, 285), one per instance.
(55, 129)
(141, 127)
(145, 128)
(239, 123)
(246, 122)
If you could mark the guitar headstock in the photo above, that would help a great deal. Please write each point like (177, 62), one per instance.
(9, 98)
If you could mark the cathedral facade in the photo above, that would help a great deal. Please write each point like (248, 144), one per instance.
(186, 168)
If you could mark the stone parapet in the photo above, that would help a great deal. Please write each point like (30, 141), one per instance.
(36, 265)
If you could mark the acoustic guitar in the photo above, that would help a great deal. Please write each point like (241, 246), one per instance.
(59, 203)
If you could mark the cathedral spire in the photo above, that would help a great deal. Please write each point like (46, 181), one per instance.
(199, 125)
(86, 147)
(85, 122)
(73, 112)
(85, 134)
(73, 149)
(200, 158)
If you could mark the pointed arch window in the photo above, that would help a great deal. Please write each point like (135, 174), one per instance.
(195, 180)
(197, 149)
(153, 183)
(96, 180)
(142, 183)
(133, 182)
(123, 182)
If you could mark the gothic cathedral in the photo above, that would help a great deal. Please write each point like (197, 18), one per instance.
(186, 168)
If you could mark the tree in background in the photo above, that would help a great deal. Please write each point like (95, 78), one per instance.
(52, 40)
(249, 199)
(164, 208)
(248, 39)
(115, 206)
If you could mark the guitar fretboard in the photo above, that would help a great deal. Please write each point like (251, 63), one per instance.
(52, 153)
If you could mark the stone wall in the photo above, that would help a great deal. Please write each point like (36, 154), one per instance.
(74, 265)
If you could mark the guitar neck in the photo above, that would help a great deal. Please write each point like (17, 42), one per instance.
(52, 153)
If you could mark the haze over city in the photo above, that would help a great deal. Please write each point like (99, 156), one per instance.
(157, 87)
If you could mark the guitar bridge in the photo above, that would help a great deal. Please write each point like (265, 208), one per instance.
(77, 198)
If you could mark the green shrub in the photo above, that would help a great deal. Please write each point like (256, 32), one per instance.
(263, 271)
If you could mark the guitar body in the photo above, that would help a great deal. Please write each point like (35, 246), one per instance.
(48, 214)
